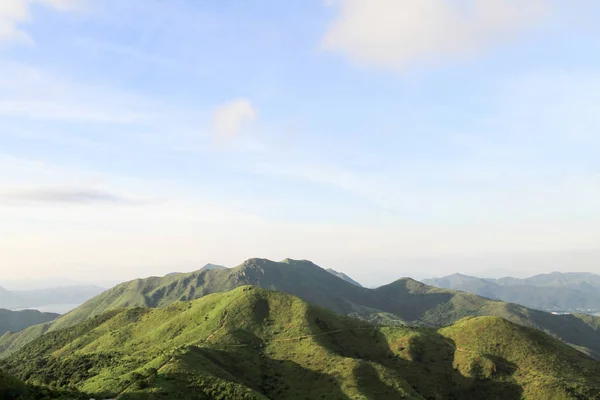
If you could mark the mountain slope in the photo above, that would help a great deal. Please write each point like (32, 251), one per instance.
(343, 276)
(16, 321)
(555, 291)
(257, 344)
(402, 302)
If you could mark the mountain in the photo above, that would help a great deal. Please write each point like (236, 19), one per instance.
(207, 267)
(403, 302)
(343, 276)
(210, 267)
(20, 299)
(16, 321)
(583, 281)
(553, 292)
(252, 343)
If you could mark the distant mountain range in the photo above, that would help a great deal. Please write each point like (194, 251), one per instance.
(251, 343)
(579, 292)
(403, 302)
(16, 321)
(22, 299)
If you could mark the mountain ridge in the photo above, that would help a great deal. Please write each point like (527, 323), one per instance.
(255, 343)
(402, 302)
(555, 291)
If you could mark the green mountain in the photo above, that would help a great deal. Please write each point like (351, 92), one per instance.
(16, 321)
(251, 343)
(553, 292)
(343, 276)
(403, 302)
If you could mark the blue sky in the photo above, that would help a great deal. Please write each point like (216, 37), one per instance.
(380, 138)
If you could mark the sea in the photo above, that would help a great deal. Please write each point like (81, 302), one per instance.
(53, 308)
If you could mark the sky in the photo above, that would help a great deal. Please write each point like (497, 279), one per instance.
(381, 138)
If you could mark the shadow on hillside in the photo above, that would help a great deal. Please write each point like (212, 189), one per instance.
(246, 364)
(31, 392)
(372, 386)
(397, 299)
(423, 363)
(571, 329)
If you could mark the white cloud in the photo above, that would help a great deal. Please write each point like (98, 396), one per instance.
(397, 34)
(13, 13)
(230, 118)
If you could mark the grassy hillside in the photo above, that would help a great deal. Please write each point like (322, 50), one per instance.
(544, 367)
(555, 291)
(250, 343)
(400, 303)
(16, 321)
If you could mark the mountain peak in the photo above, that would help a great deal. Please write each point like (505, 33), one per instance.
(291, 261)
(210, 267)
(404, 301)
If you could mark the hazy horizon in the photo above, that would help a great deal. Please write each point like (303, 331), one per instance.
(138, 138)
(372, 274)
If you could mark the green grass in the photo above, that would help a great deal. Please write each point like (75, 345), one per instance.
(251, 343)
(403, 302)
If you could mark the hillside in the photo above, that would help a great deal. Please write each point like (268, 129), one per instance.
(403, 302)
(257, 344)
(16, 321)
(550, 292)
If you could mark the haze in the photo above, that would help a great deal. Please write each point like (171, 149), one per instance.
(145, 137)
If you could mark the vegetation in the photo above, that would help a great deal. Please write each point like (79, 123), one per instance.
(251, 343)
(16, 321)
(404, 302)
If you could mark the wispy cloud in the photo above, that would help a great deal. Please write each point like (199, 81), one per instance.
(67, 195)
(399, 34)
(13, 13)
